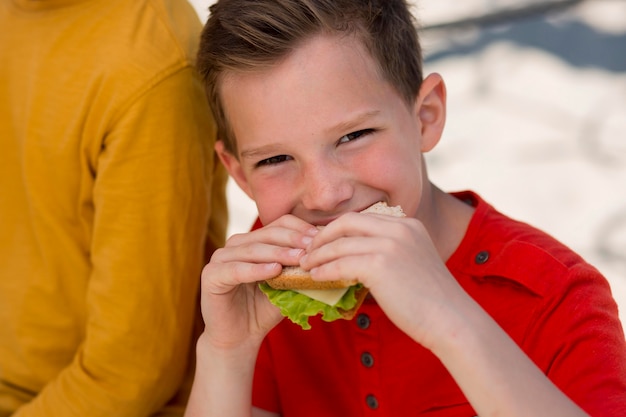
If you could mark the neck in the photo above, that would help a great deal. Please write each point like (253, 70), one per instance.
(446, 218)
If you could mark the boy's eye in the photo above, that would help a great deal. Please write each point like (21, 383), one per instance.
(273, 160)
(354, 135)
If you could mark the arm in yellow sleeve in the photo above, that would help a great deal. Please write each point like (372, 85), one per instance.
(153, 196)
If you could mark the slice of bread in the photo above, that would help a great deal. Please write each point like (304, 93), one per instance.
(294, 277)
(382, 208)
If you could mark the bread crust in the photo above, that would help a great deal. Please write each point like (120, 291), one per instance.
(296, 278)
(360, 294)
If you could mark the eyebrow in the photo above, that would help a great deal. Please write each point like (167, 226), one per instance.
(343, 126)
(352, 123)
(262, 150)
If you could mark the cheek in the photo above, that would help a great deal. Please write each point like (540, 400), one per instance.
(390, 168)
(273, 197)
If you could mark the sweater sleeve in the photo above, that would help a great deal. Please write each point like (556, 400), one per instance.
(153, 195)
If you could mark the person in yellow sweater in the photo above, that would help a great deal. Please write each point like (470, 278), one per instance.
(109, 190)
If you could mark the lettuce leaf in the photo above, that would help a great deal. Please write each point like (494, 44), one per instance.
(298, 307)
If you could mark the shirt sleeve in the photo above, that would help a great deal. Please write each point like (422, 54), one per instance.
(153, 195)
(579, 340)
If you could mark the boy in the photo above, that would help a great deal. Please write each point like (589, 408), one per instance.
(322, 111)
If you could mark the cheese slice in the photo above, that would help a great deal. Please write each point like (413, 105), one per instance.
(330, 297)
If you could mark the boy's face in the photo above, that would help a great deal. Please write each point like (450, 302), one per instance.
(322, 133)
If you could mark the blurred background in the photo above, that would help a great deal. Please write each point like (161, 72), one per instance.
(536, 117)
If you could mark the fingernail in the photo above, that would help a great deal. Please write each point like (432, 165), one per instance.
(306, 240)
(295, 252)
(270, 266)
(312, 231)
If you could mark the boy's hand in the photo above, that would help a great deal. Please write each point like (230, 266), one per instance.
(235, 311)
(396, 259)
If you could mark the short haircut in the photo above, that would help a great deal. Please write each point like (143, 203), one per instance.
(249, 35)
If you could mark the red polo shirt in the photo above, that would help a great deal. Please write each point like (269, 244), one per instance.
(555, 306)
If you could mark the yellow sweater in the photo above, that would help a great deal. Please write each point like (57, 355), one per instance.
(106, 191)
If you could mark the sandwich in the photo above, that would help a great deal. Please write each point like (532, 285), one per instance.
(299, 297)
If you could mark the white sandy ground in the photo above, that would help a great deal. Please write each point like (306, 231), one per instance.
(540, 138)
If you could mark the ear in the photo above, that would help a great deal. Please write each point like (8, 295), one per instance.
(430, 109)
(233, 167)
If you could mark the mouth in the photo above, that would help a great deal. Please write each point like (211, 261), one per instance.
(320, 224)
(362, 209)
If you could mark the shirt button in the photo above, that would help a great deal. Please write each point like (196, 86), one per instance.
(367, 360)
(482, 257)
(371, 402)
(363, 321)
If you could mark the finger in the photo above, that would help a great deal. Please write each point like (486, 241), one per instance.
(289, 232)
(258, 253)
(347, 257)
(271, 235)
(295, 225)
(369, 234)
(221, 278)
(358, 224)
(292, 222)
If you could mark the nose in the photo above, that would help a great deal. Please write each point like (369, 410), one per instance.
(325, 186)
